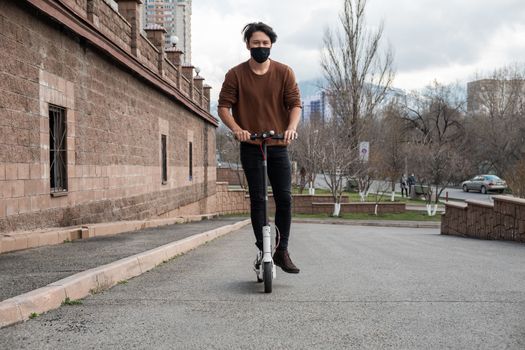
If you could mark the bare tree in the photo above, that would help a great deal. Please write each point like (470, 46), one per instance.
(515, 178)
(392, 144)
(303, 150)
(229, 153)
(334, 157)
(435, 120)
(496, 108)
(357, 73)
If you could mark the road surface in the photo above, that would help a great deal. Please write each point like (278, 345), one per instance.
(359, 288)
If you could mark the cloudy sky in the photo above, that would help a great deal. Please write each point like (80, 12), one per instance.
(446, 40)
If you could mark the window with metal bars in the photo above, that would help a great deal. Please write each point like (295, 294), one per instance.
(164, 153)
(57, 149)
(191, 160)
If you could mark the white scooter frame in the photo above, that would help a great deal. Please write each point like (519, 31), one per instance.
(264, 266)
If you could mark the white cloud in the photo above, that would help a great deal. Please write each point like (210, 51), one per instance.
(445, 40)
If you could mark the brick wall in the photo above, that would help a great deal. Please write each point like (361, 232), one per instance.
(114, 121)
(303, 203)
(367, 208)
(185, 85)
(481, 220)
(232, 176)
(238, 201)
(503, 220)
(148, 53)
(454, 221)
(509, 218)
(112, 24)
(231, 201)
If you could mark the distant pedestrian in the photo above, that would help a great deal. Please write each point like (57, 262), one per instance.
(411, 183)
(404, 185)
(302, 182)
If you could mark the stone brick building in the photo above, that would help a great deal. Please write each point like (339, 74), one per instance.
(97, 121)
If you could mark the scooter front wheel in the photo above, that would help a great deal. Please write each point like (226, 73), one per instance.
(268, 276)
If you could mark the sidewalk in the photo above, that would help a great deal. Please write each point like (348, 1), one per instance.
(23, 271)
(39, 279)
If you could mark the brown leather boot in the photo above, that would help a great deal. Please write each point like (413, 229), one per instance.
(282, 259)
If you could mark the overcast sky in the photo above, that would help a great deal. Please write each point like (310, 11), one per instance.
(446, 40)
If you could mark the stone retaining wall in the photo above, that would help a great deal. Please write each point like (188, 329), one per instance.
(502, 220)
(232, 176)
(358, 207)
(238, 201)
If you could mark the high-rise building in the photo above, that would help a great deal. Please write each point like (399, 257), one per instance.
(175, 17)
(486, 94)
(315, 108)
(183, 28)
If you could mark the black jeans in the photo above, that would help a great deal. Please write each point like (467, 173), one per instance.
(280, 176)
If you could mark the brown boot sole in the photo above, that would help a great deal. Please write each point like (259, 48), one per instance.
(288, 270)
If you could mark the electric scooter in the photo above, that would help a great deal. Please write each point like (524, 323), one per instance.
(263, 265)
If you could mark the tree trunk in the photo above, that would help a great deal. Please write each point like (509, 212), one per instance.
(337, 209)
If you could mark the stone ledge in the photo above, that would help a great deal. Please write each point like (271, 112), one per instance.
(24, 240)
(513, 200)
(458, 205)
(479, 203)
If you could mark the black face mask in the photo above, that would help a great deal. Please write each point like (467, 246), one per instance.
(260, 54)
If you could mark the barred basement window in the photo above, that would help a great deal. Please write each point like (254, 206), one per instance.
(164, 153)
(57, 150)
(191, 160)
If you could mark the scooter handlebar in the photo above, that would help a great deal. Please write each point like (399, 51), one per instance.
(267, 135)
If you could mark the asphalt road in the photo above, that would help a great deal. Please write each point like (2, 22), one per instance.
(359, 288)
(457, 193)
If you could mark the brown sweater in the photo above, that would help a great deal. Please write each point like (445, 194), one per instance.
(260, 102)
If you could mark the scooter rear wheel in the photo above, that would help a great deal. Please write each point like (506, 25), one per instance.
(267, 277)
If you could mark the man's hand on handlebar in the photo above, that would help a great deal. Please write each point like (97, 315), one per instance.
(290, 135)
(241, 135)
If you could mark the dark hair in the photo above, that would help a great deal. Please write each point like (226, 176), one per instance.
(251, 28)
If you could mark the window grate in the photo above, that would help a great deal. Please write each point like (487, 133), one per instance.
(164, 159)
(191, 161)
(57, 149)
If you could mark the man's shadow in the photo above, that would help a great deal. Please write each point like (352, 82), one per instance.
(247, 287)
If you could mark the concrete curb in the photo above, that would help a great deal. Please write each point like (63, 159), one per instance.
(24, 240)
(80, 285)
(378, 223)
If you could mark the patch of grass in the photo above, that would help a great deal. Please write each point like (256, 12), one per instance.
(96, 290)
(354, 196)
(33, 315)
(68, 301)
(407, 216)
(67, 241)
(123, 282)
(170, 259)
